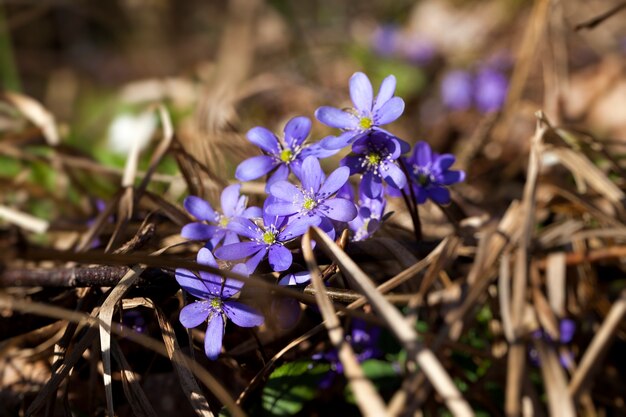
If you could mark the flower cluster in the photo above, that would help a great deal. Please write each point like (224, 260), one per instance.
(301, 195)
(487, 89)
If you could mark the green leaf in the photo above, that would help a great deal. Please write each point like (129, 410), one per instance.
(383, 375)
(291, 386)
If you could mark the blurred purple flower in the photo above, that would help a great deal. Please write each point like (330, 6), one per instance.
(212, 226)
(364, 341)
(214, 303)
(430, 173)
(134, 320)
(267, 239)
(387, 40)
(279, 155)
(567, 328)
(368, 114)
(374, 156)
(457, 90)
(314, 197)
(491, 88)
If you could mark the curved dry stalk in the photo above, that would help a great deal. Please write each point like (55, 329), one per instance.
(404, 332)
(367, 398)
(517, 357)
(597, 349)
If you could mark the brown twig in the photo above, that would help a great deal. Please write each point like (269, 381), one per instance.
(595, 21)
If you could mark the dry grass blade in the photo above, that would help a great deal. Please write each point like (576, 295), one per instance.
(37, 114)
(106, 317)
(597, 349)
(555, 282)
(368, 400)
(516, 360)
(581, 167)
(504, 296)
(159, 153)
(559, 401)
(187, 382)
(136, 396)
(544, 313)
(23, 220)
(405, 333)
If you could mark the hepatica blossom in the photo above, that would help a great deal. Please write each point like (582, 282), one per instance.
(491, 90)
(214, 303)
(364, 341)
(486, 90)
(370, 213)
(212, 226)
(457, 89)
(313, 199)
(266, 239)
(430, 173)
(368, 114)
(374, 155)
(280, 156)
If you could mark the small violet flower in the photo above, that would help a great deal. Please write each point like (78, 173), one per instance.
(430, 174)
(267, 239)
(491, 90)
(457, 89)
(314, 198)
(386, 40)
(213, 225)
(370, 213)
(487, 90)
(214, 303)
(368, 114)
(374, 155)
(280, 156)
(567, 328)
(364, 341)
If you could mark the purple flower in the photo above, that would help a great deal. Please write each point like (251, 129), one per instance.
(386, 40)
(280, 156)
(368, 113)
(213, 225)
(214, 303)
(370, 214)
(374, 156)
(314, 198)
(295, 278)
(567, 328)
(364, 342)
(267, 239)
(457, 90)
(430, 174)
(491, 89)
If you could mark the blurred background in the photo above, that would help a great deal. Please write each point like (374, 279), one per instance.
(223, 67)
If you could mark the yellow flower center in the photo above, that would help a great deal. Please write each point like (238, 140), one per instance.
(286, 155)
(373, 158)
(269, 237)
(309, 203)
(365, 123)
(223, 222)
(216, 303)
